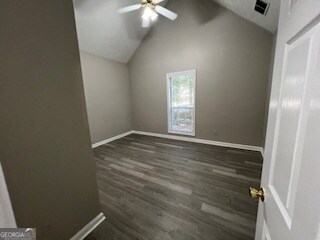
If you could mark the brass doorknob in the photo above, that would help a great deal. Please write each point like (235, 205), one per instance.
(254, 193)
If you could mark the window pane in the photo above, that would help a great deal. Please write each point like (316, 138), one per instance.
(182, 91)
(182, 119)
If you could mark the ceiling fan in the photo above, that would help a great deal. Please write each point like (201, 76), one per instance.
(151, 10)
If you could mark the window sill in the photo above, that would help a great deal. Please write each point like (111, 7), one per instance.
(192, 134)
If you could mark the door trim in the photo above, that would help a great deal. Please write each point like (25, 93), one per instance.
(87, 229)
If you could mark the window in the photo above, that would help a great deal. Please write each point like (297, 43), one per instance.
(181, 102)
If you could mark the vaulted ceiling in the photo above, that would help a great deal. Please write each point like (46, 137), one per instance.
(245, 9)
(105, 33)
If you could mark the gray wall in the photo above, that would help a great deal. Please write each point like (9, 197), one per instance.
(45, 147)
(232, 58)
(107, 91)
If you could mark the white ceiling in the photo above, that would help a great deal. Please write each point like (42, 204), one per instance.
(245, 9)
(105, 33)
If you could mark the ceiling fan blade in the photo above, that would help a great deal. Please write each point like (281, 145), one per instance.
(129, 8)
(159, 1)
(165, 12)
(145, 23)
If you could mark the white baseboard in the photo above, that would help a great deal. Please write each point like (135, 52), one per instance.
(198, 140)
(111, 139)
(181, 138)
(87, 229)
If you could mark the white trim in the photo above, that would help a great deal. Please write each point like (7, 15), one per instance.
(203, 141)
(192, 72)
(182, 138)
(7, 218)
(87, 229)
(111, 139)
(192, 134)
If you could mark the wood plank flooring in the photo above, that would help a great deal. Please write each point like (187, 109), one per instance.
(159, 189)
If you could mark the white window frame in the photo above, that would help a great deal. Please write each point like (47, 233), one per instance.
(169, 76)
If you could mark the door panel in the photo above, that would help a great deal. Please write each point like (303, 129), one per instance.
(285, 172)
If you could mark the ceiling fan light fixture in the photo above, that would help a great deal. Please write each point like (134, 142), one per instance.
(149, 14)
(151, 11)
(154, 16)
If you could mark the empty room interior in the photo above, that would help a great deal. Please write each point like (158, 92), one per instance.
(160, 119)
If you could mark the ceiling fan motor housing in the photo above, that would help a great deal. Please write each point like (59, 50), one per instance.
(149, 2)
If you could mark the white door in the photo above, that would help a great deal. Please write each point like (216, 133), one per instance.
(291, 170)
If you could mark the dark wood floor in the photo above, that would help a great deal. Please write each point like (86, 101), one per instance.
(160, 189)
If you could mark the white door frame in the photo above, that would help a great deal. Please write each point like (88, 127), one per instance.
(7, 219)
